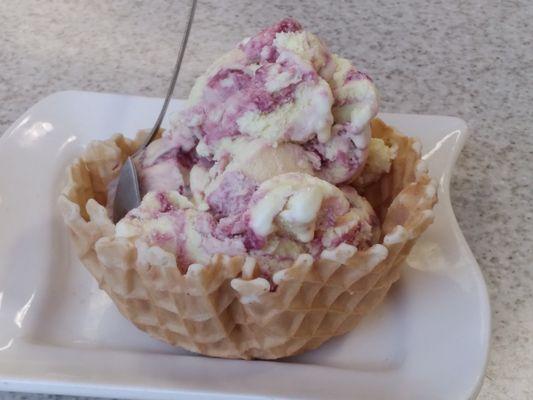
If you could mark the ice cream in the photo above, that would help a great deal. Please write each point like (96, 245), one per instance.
(250, 165)
(287, 215)
(296, 213)
(281, 89)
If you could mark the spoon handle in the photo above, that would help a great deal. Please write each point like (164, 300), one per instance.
(128, 194)
(177, 67)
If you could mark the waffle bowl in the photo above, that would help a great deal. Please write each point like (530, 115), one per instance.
(224, 308)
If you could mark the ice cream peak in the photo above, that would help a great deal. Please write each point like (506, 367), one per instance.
(259, 48)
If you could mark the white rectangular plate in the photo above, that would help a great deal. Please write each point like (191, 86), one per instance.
(60, 334)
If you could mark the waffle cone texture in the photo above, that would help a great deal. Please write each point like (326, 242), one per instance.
(224, 309)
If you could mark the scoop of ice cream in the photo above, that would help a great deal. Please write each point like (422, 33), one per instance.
(281, 99)
(280, 91)
(284, 217)
(312, 211)
(296, 213)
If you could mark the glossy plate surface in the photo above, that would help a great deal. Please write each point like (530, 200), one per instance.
(60, 334)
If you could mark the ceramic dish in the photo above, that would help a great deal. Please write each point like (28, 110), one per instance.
(60, 334)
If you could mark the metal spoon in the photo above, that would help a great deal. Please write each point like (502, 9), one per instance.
(128, 194)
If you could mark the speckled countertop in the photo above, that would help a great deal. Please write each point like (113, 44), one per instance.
(471, 59)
